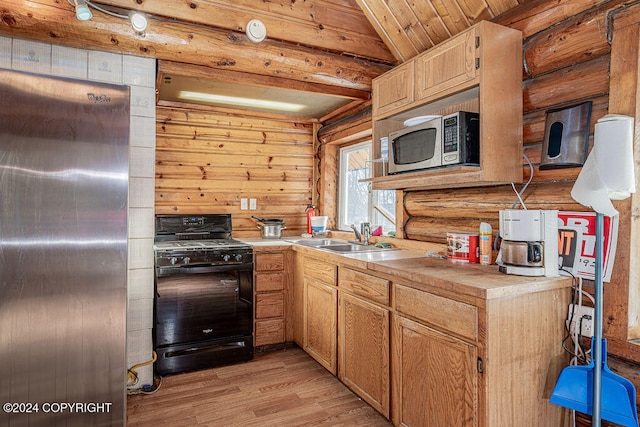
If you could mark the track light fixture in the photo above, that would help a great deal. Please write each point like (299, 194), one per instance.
(83, 13)
(137, 19)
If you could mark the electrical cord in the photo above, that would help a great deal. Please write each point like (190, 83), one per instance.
(521, 192)
(132, 374)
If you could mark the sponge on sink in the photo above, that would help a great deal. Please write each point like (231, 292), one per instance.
(382, 245)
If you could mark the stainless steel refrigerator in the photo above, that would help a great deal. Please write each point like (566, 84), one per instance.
(63, 251)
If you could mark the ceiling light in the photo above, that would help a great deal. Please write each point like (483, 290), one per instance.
(82, 10)
(138, 21)
(256, 31)
(243, 102)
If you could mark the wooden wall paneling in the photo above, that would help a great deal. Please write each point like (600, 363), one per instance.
(621, 306)
(206, 161)
(533, 16)
(570, 84)
(580, 38)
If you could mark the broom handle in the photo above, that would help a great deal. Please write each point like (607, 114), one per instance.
(597, 346)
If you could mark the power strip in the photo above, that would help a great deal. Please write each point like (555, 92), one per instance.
(582, 316)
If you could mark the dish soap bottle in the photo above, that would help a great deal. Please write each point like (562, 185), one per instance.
(311, 212)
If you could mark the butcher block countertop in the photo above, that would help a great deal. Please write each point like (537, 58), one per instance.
(482, 281)
(416, 270)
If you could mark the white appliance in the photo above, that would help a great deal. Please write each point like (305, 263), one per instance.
(529, 242)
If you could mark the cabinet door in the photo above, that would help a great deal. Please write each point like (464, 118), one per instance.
(363, 350)
(393, 89)
(434, 377)
(447, 65)
(320, 323)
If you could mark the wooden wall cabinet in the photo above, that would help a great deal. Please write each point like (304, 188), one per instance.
(363, 337)
(321, 312)
(478, 70)
(271, 282)
(394, 90)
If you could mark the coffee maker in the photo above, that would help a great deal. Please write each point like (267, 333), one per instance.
(529, 242)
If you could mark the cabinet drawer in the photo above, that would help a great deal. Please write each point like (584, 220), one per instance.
(321, 271)
(269, 261)
(269, 305)
(269, 332)
(446, 314)
(269, 282)
(370, 287)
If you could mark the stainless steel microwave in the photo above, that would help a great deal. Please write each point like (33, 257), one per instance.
(441, 141)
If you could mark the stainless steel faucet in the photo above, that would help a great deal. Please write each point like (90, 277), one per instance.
(355, 230)
(365, 230)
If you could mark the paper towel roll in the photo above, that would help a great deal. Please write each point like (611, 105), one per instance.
(608, 172)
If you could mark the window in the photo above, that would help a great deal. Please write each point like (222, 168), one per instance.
(357, 202)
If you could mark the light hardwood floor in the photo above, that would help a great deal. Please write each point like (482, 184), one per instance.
(280, 388)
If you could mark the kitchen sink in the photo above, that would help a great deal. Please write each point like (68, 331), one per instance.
(352, 247)
(318, 242)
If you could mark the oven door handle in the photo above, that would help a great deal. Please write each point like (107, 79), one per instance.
(202, 269)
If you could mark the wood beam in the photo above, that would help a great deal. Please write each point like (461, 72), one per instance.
(332, 26)
(54, 22)
(230, 76)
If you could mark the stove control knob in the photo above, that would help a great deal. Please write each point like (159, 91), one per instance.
(186, 260)
(173, 260)
(226, 257)
(238, 257)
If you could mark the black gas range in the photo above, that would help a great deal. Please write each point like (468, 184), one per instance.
(204, 293)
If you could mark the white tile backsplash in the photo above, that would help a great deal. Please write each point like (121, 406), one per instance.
(5, 52)
(140, 283)
(141, 192)
(140, 314)
(138, 71)
(105, 67)
(142, 162)
(139, 350)
(30, 56)
(140, 253)
(142, 132)
(69, 62)
(141, 223)
(143, 101)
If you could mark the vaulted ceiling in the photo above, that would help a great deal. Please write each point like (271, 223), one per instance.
(330, 47)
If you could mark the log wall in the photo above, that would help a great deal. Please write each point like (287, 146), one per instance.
(207, 160)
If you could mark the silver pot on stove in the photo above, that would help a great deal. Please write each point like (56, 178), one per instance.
(271, 228)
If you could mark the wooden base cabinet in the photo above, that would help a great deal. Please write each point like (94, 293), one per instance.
(271, 281)
(363, 350)
(435, 377)
(321, 313)
(480, 362)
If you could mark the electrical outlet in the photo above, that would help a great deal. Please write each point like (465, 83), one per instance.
(582, 318)
(244, 205)
(252, 204)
